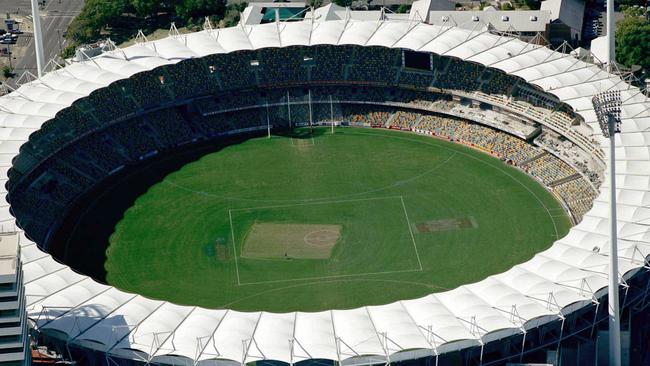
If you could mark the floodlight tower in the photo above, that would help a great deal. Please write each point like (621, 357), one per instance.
(607, 106)
(38, 38)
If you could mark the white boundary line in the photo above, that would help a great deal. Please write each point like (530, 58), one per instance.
(322, 202)
(234, 246)
(330, 277)
(313, 143)
(408, 223)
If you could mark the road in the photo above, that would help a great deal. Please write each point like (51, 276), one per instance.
(55, 18)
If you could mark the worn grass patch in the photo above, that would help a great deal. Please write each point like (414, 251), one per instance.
(289, 241)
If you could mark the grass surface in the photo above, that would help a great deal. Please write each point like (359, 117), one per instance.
(176, 243)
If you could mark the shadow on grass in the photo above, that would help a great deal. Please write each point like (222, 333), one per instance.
(303, 133)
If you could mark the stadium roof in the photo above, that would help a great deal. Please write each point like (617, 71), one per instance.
(567, 276)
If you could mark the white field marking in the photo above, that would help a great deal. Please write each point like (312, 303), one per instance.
(263, 259)
(311, 138)
(239, 283)
(234, 246)
(315, 203)
(331, 277)
(557, 235)
(408, 222)
(432, 286)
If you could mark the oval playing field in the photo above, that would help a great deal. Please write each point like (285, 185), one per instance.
(313, 222)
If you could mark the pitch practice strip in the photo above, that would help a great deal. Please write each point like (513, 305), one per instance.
(330, 220)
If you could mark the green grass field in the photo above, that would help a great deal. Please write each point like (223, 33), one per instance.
(359, 217)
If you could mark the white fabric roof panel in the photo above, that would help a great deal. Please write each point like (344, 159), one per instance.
(295, 33)
(388, 33)
(418, 36)
(264, 35)
(356, 332)
(104, 318)
(43, 94)
(87, 314)
(431, 314)
(17, 104)
(161, 323)
(235, 329)
(20, 120)
(272, 337)
(315, 336)
(327, 32)
(234, 39)
(117, 63)
(174, 49)
(203, 43)
(193, 334)
(475, 43)
(358, 33)
(104, 334)
(60, 80)
(398, 326)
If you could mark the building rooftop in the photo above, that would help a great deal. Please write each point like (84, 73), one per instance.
(569, 12)
(501, 20)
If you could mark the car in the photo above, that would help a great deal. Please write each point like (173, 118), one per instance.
(2, 31)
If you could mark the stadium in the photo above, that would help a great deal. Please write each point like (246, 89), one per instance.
(428, 118)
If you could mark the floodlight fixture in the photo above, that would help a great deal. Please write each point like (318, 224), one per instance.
(607, 106)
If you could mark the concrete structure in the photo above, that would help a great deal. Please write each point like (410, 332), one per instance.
(566, 19)
(14, 340)
(421, 8)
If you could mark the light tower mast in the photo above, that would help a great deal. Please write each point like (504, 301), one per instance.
(611, 36)
(38, 38)
(607, 106)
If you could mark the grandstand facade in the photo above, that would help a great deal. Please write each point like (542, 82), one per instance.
(70, 130)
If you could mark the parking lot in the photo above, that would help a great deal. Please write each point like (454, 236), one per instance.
(55, 17)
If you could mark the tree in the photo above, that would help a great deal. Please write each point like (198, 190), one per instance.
(7, 72)
(145, 8)
(233, 12)
(187, 9)
(343, 3)
(633, 40)
(403, 8)
(315, 3)
(95, 16)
